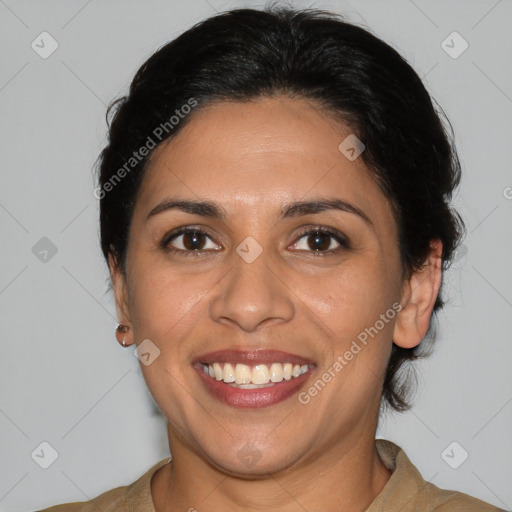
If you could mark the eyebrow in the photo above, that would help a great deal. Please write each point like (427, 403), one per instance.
(295, 209)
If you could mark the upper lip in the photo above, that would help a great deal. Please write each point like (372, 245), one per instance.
(261, 356)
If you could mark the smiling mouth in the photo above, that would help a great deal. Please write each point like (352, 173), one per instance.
(253, 378)
(244, 376)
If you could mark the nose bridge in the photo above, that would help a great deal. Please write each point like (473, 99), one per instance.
(251, 293)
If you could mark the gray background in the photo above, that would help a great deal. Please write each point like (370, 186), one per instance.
(64, 378)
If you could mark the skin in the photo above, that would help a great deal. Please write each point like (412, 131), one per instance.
(251, 159)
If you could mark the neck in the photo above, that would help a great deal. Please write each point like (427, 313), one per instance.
(348, 475)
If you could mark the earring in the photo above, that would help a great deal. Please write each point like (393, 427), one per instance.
(120, 332)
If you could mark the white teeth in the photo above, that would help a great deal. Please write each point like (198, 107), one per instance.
(228, 374)
(250, 386)
(217, 370)
(276, 372)
(260, 375)
(242, 374)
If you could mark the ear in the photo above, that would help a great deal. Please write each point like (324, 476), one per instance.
(120, 289)
(418, 299)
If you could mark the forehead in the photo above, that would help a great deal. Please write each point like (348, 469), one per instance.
(259, 155)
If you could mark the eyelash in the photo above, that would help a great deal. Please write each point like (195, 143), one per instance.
(341, 239)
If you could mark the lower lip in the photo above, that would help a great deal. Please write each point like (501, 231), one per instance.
(252, 398)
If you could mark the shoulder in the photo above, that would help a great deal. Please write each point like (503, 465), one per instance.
(136, 496)
(114, 499)
(454, 501)
(409, 492)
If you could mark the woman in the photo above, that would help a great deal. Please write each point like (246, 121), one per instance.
(275, 216)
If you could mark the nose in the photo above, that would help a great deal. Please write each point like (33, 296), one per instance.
(252, 295)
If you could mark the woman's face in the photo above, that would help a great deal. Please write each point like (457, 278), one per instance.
(256, 283)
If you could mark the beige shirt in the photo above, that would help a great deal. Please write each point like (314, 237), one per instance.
(405, 491)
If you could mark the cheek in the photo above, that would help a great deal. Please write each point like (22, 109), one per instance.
(351, 297)
(165, 302)
(165, 307)
(353, 307)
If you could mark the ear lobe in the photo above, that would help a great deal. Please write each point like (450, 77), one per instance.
(120, 290)
(418, 299)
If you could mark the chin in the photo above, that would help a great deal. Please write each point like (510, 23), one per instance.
(250, 462)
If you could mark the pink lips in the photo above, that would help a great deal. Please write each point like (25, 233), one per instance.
(251, 357)
(252, 398)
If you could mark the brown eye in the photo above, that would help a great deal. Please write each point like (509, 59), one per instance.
(193, 240)
(320, 240)
(188, 241)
